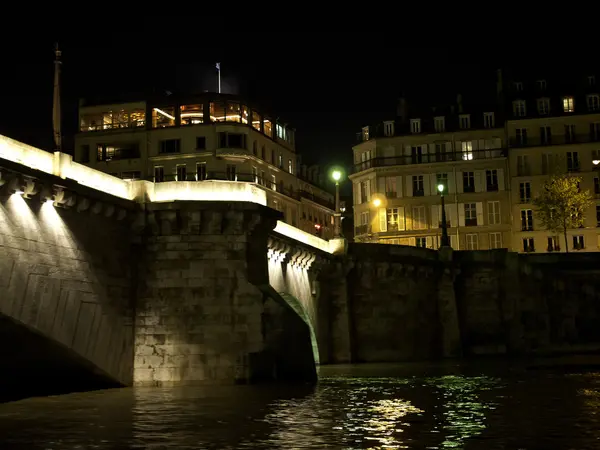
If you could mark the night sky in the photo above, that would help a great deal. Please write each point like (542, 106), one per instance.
(326, 85)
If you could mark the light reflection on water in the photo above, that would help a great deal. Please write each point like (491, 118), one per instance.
(346, 410)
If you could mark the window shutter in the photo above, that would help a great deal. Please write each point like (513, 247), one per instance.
(382, 219)
(461, 214)
(451, 183)
(408, 222)
(368, 190)
(407, 150)
(435, 220)
(448, 147)
(425, 150)
(497, 142)
(500, 179)
(409, 190)
(458, 146)
(381, 185)
(454, 242)
(398, 186)
(429, 241)
(433, 184)
(401, 219)
(426, 185)
(479, 208)
(478, 180)
(358, 195)
(460, 183)
(412, 241)
(450, 215)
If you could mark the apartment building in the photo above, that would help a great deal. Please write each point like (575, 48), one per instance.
(205, 137)
(399, 165)
(553, 126)
(492, 162)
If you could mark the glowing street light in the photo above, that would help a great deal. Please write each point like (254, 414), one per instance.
(337, 175)
(445, 238)
(377, 202)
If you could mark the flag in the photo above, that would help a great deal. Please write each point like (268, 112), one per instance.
(218, 66)
(56, 115)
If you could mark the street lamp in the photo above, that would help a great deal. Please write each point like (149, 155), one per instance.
(445, 238)
(377, 202)
(336, 174)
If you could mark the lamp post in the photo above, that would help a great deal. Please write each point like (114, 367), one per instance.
(337, 176)
(445, 238)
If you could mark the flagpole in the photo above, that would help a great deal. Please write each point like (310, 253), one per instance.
(219, 75)
(56, 114)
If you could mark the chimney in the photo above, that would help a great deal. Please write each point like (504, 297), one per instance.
(499, 82)
(459, 103)
(402, 110)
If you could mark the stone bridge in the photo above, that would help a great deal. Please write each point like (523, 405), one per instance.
(105, 282)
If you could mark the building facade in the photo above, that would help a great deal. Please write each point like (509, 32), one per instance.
(491, 160)
(205, 137)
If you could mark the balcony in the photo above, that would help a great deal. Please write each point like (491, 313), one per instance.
(553, 140)
(362, 229)
(314, 198)
(473, 155)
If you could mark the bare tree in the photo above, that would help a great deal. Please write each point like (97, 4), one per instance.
(561, 204)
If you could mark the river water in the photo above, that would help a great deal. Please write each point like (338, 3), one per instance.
(352, 407)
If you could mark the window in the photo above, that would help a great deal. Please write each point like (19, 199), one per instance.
(255, 148)
(568, 105)
(418, 186)
(263, 153)
(394, 221)
(543, 106)
(169, 146)
(553, 244)
(421, 242)
(201, 143)
(541, 85)
(519, 109)
(578, 243)
(491, 177)
(390, 187)
(593, 102)
(280, 132)
(256, 120)
(440, 152)
(274, 186)
(545, 135)
(106, 152)
(472, 241)
(495, 240)
(569, 133)
(273, 157)
(181, 172)
(112, 120)
(217, 111)
(528, 246)
(526, 220)
(468, 181)
(441, 178)
(467, 150)
(415, 125)
(572, 162)
(521, 135)
(388, 128)
(159, 174)
(255, 175)
(290, 167)
(595, 131)
(525, 192)
(364, 218)
(200, 171)
(523, 165)
(232, 140)
(488, 120)
(470, 214)
(548, 163)
(591, 80)
(163, 117)
(494, 212)
(191, 114)
(596, 185)
(262, 180)
(464, 121)
(598, 215)
(280, 161)
(231, 172)
(268, 128)
(439, 124)
(518, 85)
(417, 154)
(85, 153)
(419, 220)
(365, 133)
(131, 175)
(233, 112)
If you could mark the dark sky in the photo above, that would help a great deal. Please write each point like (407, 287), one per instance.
(327, 85)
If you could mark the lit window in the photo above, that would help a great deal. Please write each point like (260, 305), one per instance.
(543, 106)
(280, 132)
(415, 125)
(568, 105)
(163, 117)
(280, 161)
(268, 128)
(439, 124)
(464, 121)
(234, 112)
(519, 109)
(488, 120)
(256, 120)
(244, 114)
(290, 166)
(191, 114)
(217, 111)
(593, 102)
(467, 150)
(274, 183)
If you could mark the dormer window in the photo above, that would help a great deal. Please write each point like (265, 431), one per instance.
(388, 128)
(464, 121)
(543, 106)
(519, 109)
(488, 120)
(415, 125)
(518, 85)
(568, 105)
(365, 133)
(591, 80)
(541, 85)
(593, 102)
(440, 124)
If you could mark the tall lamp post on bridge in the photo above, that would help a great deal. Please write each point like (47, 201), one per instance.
(336, 175)
(445, 238)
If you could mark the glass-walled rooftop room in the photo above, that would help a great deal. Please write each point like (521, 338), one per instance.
(173, 115)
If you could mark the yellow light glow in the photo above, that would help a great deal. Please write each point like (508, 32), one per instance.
(377, 203)
(302, 236)
(596, 162)
(27, 155)
(213, 190)
(160, 111)
(441, 187)
(336, 175)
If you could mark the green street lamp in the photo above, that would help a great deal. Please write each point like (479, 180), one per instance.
(336, 175)
(445, 238)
